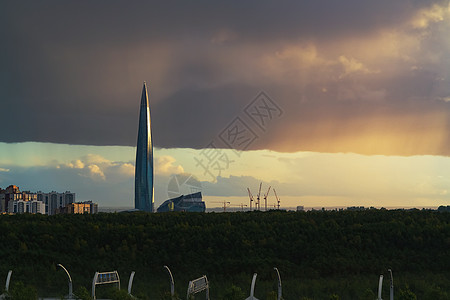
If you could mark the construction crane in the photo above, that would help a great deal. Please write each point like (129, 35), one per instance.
(251, 198)
(265, 197)
(258, 197)
(242, 205)
(278, 199)
(225, 204)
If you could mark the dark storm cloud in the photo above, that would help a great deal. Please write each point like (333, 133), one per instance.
(195, 117)
(75, 22)
(71, 72)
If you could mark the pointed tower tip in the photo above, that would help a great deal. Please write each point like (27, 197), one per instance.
(144, 86)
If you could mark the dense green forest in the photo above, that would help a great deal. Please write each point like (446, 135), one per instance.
(320, 254)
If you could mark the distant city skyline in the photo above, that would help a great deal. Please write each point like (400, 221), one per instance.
(14, 200)
(332, 103)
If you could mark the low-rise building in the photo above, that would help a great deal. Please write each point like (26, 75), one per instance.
(86, 207)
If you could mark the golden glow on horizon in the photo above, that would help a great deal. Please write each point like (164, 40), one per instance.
(303, 178)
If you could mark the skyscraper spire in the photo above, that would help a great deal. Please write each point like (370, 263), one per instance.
(143, 187)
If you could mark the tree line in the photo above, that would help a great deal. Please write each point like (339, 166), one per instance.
(320, 254)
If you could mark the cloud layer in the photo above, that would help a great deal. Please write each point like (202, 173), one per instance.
(310, 179)
(369, 77)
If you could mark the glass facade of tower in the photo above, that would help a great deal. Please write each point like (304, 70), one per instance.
(143, 188)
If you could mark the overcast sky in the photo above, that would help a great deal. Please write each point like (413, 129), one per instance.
(365, 78)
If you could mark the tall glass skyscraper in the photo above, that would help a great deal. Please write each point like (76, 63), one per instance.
(143, 185)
